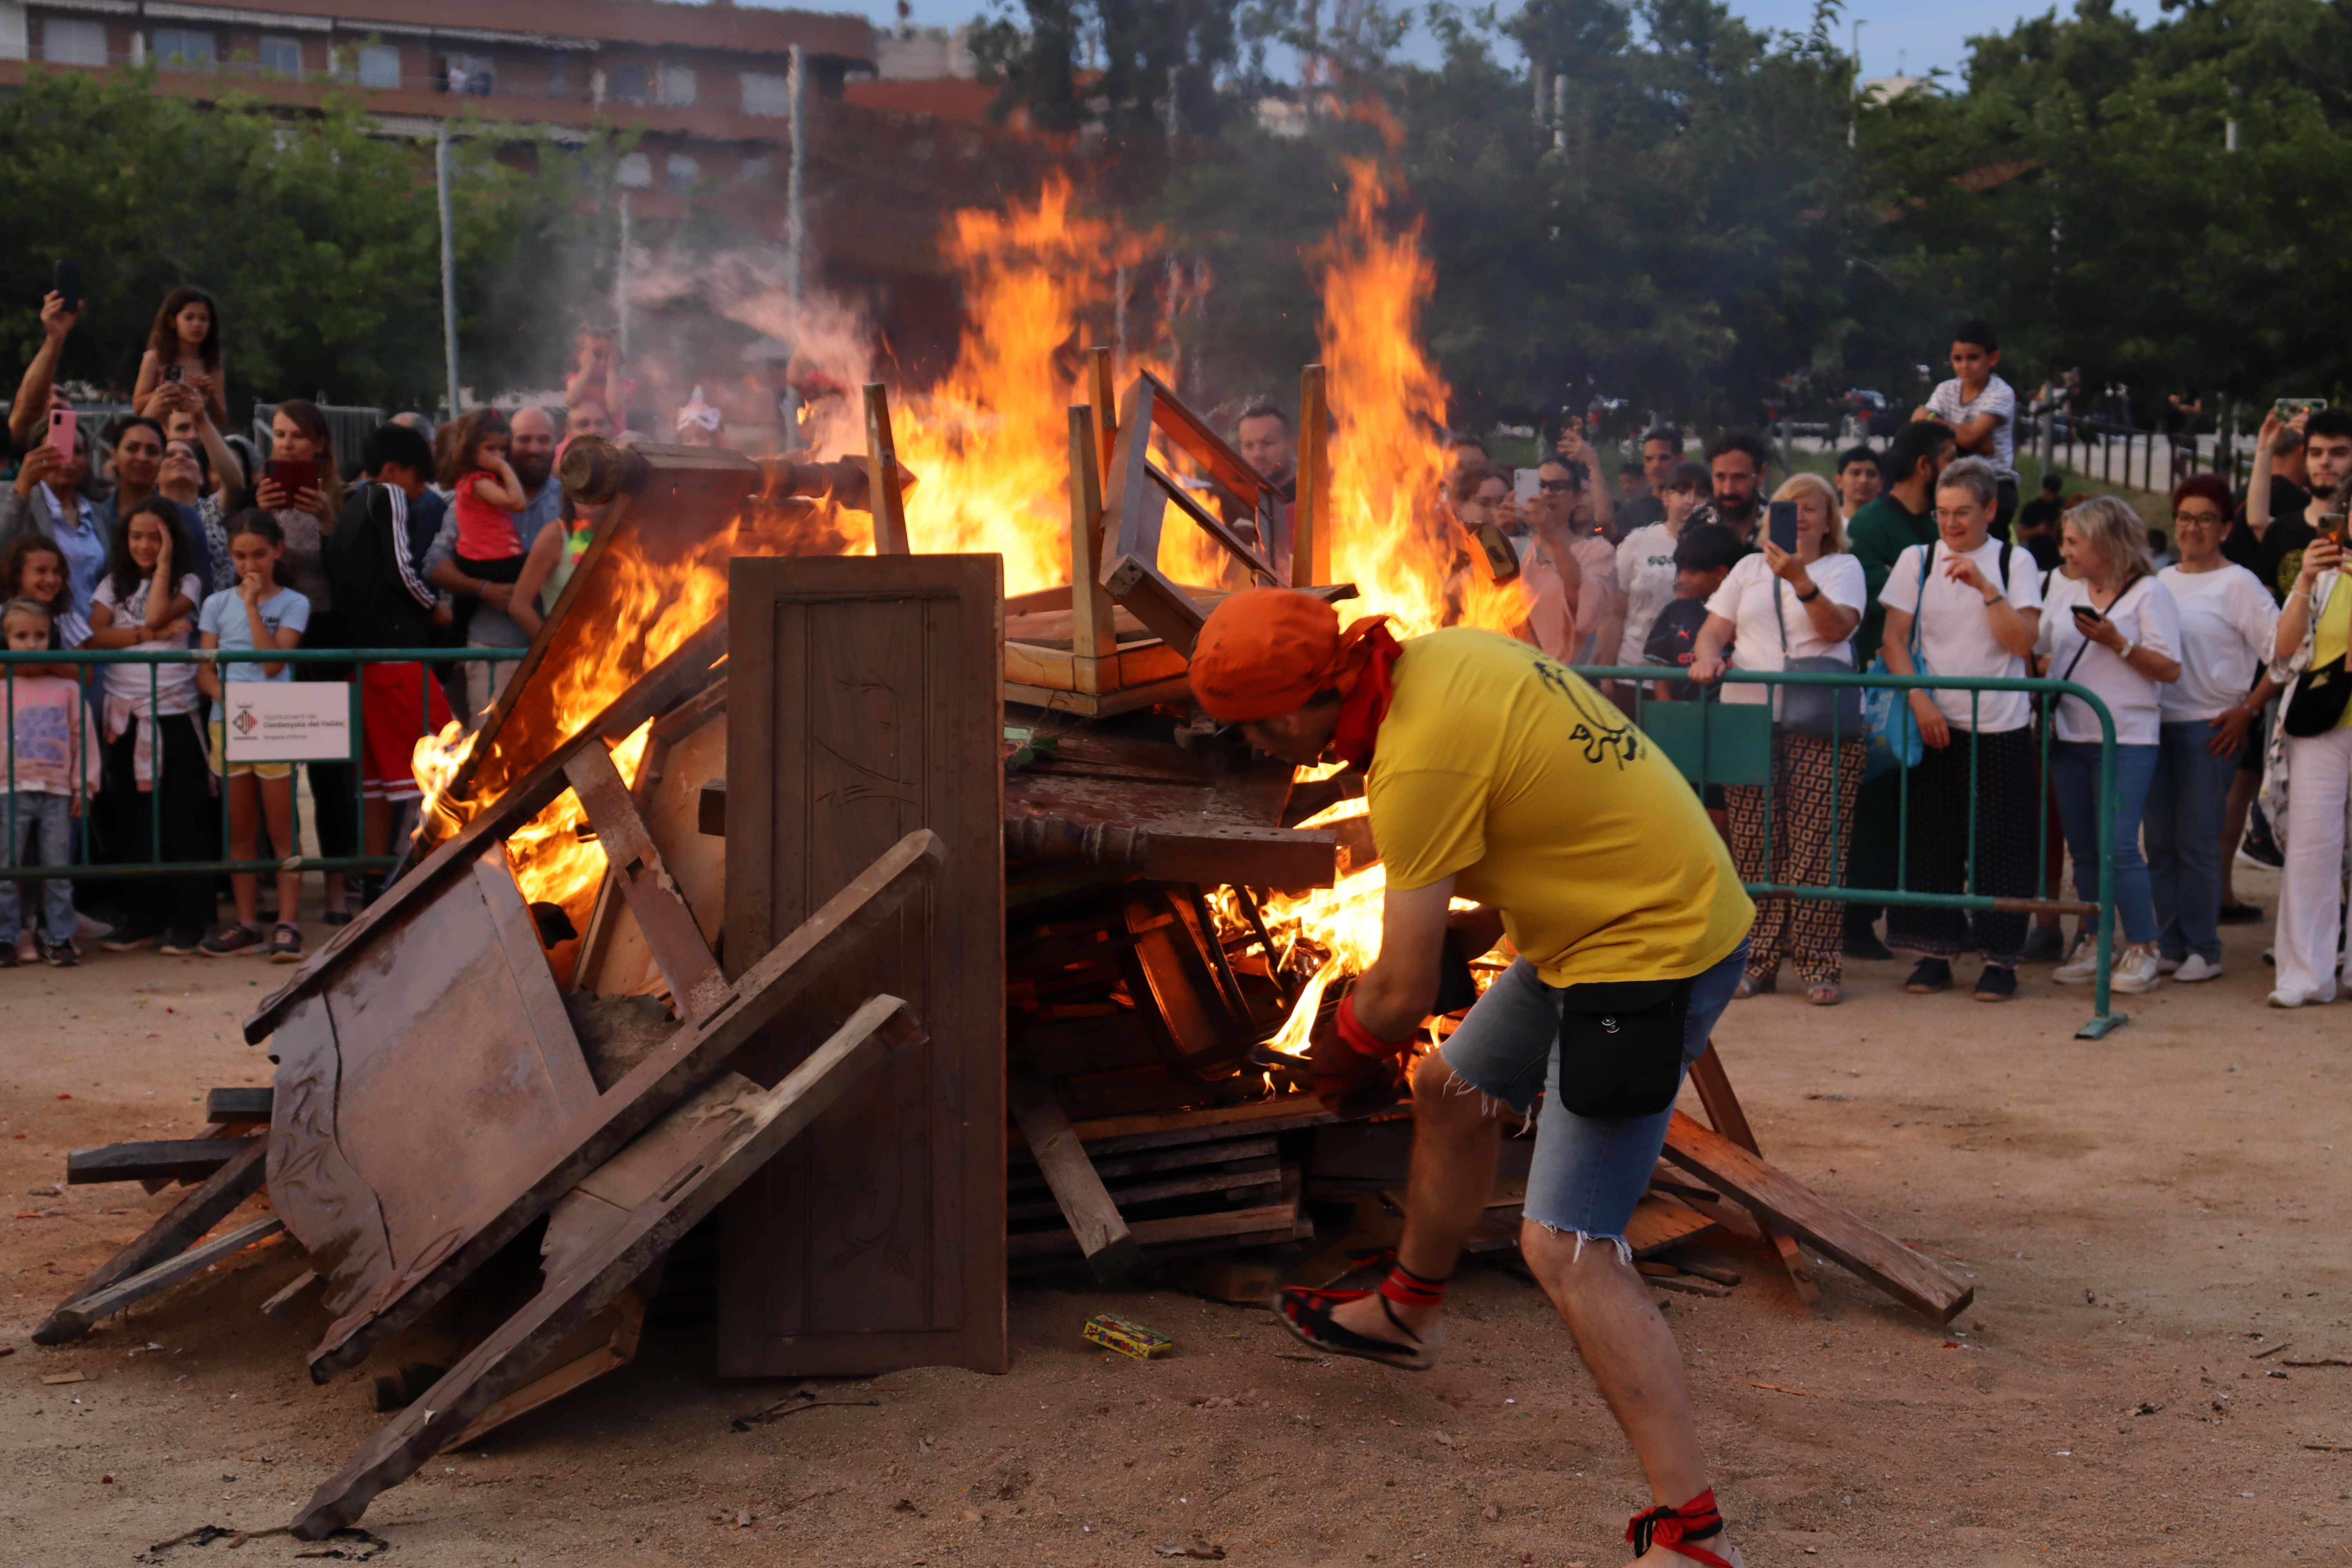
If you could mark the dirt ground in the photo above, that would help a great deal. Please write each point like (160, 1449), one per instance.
(2142, 1216)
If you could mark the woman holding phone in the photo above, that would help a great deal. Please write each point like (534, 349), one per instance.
(1792, 605)
(2110, 626)
(2310, 744)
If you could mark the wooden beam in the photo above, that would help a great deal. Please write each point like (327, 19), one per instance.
(173, 1234)
(1728, 1117)
(79, 1315)
(1151, 597)
(504, 1363)
(801, 960)
(1093, 1219)
(230, 1106)
(668, 926)
(1093, 634)
(1829, 1227)
(1103, 394)
(162, 1159)
(1213, 525)
(882, 475)
(1310, 519)
(1203, 445)
(1132, 505)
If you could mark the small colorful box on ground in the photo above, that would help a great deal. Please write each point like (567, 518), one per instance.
(1128, 1337)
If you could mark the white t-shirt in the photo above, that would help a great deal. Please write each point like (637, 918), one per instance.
(2147, 616)
(2227, 620)
(1746, 601)
(1645, 572)
(1998, 400)
(174, 684)
(1954, 629)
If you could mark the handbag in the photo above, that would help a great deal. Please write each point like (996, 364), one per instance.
(1620, 1046)
(1895, 740)
(2320, 693)
(1824, 712)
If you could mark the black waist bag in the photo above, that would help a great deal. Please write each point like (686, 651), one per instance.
(2317, 705)
(1620, 1046)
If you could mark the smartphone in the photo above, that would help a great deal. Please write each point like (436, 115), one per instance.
(1526, 485)
(1780, 524)
(293, 477)
(172, 373)
(2084, 612)
(68, 283)
(2287, 408)
(62, 432)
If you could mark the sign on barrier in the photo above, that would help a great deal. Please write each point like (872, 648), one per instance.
(288, 722)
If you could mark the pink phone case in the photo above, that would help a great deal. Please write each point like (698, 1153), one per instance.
(62, 430)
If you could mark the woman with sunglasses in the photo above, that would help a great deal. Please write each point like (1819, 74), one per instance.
(2227, 622)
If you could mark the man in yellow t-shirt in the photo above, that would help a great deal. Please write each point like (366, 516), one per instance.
(1497, 775)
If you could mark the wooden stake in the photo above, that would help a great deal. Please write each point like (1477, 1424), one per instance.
(1102, 390)
(882, 475)
(1092, 634)
(1311, 521)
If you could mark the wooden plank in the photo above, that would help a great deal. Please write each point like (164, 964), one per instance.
(1660, 1222)
(608, 1342)
(1132, 505)
(882, 475)
(672, 681)
(1123, 1134)
(231, 1106)
(1093, 629)
(1093, 1219)
(636, 869)
(162, 1159)
(1103, 394)
(1266, 1172)
(524, 969)
(1213, 525)
(1180, 1158)
(866, 701)
(1829, 1227)
(1155, 601)
(1265, 1221)
(506, 1360)
(1310, 522)
(429, 1263)
(81, 1314)
(1727, 1115)
(1186, 430)
(172, 1234)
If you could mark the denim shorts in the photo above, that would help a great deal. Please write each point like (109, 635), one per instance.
(1589, 1171)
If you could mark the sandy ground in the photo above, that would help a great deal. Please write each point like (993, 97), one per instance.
(2141, 1216)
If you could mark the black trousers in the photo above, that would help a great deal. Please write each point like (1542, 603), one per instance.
(2008, 813)
(183, 808)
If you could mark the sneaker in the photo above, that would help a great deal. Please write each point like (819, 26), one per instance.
(1996, 983)
(2133, 970)
(2261, 853)
(2287, 999)
(285, 944)
(2043, 944)
(2168, 965)
(1863, 943)
(58, 954)
(89, 928)
(2240, 914)
(1932, 974)
(131, 941)
(2194, 968)
(2082, 966)
(232, 941)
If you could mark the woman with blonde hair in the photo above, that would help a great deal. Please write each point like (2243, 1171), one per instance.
(2108, 625)
(1795, 610)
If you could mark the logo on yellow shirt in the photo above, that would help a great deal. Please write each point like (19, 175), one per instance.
(1601, 730)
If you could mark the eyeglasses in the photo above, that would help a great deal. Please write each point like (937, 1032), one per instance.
(2196, 519)
(1559, 487)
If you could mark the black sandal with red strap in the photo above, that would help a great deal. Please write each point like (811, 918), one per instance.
(1675, 1529)
(1307, 1314)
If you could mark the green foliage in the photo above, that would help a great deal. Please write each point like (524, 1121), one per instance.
(1142, 49)
(320, 241)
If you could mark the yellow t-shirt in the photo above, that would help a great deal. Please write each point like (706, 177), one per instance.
(2333, 635)
(1503, 769)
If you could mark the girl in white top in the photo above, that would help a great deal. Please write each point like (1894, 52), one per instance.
(2227, 620)
(1809, 601)
(2110, 627)
(1646, 562)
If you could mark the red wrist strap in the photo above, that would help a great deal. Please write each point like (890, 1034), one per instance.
(1363, 1040)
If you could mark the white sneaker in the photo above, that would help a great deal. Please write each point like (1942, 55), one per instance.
(2082, 965)
(2168, 965)
(2194, 968)
(2135, 971)
(2287, 999)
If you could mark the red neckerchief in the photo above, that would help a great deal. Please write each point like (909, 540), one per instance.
(1365, 702)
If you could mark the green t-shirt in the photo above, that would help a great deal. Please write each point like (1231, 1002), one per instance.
(1879, 532)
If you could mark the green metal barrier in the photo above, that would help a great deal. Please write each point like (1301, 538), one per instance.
(1716, 742)
(83, 866)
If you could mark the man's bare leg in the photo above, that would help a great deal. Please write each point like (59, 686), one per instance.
(1455, 1138)
(1634, 1360)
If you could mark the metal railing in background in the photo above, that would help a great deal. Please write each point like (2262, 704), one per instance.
(1719, 742)
(83, 866)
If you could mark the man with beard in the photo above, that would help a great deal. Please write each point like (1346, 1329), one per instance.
(1735, 460)
(532, 451)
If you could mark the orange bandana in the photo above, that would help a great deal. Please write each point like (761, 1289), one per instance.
(1268, 651)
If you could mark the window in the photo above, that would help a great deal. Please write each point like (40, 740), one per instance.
(767, 94)
(281, 56)
(678, 84)
(474, 75)
(182, 49)
(559, 77)
(634, 170)
(683, 172)
(380, 64)
(630, 84)
(74, 43)
(754, 170)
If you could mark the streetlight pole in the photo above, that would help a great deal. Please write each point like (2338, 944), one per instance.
(1853, 111)
(448, 262)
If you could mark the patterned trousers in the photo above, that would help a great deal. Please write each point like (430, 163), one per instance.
(1796, 848)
